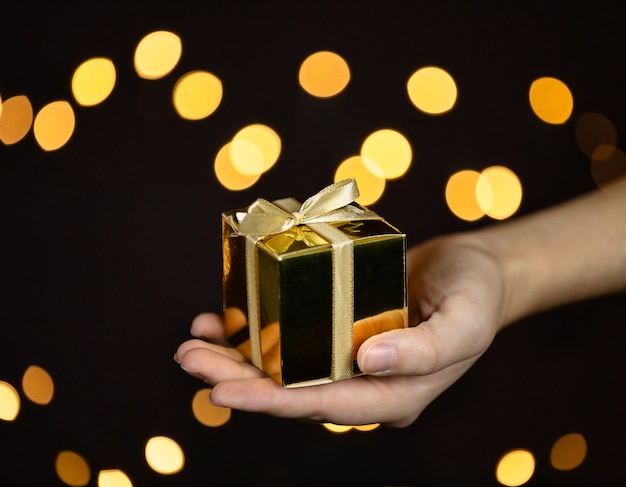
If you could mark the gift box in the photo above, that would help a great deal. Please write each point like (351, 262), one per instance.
(305, 284)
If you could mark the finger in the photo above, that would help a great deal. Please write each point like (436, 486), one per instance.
(213, 367)
(185, 347)
(357, 401)
(208, 326)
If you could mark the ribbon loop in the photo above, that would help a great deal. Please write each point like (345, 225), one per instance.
(330, 204)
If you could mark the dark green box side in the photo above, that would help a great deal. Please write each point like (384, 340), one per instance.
(297, 293)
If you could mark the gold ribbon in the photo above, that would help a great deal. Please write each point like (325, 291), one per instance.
(331, 204)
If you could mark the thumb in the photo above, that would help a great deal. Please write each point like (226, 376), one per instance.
(409, 351)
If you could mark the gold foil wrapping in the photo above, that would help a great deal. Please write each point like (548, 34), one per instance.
(300, 302)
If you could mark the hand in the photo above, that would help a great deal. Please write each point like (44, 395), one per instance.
(456, 301)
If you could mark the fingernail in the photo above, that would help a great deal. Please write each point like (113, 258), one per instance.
(176, 359)
(379, 359)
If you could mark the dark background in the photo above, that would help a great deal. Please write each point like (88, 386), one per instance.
(111, 245)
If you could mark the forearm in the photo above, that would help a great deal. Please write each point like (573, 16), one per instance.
(570, 252)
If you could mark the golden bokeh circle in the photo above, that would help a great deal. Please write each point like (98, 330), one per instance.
(264, 138)
(113, 478)
(227, 174)
(93, 81)
(157, 54)
(38, 385)
(324, 74)
(72, 468)
(197, 94)
(460, 194)
(337, 428)
(54, 125)
(387, 153)
(515, 468)
(568, 452)
(551, 100)
(9, 402)
(207, 413)
(164, 455)
(16, 119)
(432, 90)
(499, 192)
(371, 187)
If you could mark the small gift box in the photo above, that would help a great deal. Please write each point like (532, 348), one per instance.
(305, 284)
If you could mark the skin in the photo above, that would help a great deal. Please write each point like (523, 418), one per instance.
(463, 289)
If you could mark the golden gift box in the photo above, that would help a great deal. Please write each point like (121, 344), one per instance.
(305, 284)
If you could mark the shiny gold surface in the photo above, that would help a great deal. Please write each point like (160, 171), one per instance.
(295, 295)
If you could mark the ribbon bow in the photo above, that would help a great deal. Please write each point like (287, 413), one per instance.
(331, 204)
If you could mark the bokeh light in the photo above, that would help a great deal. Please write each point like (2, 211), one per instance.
(258, 140)
(371, 186)
(16, 119)
(227, 174)
(157, 54)
(324, 74)
(337, 428)
(389, 150)
(206, 413)
(432, 90)
(9, 402)
(568, 452)
(72, 468)
(461, 195)
(113, 478)
(197, 95)
(498, 192)
(164, 455)
(54, 125)
(93, 81)
(515, 468)
(367, 427)
(551, 100)
(38, 385)
(608, 164)
(593, 130)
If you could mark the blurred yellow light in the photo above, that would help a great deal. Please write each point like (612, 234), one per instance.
(16, 119)
(227, 174)
(515, 468)
(72, 468)
(461, 195)
(264, 138)
(568, 452)
(551, 100)
(9, 402)
(593, 130)
(38, 385)
(157, 54)
(54, 125)
(324, 74)
(164, 455)
(432, 90)
(113, 478)
(197, 95)
(498, 192)
(93, 81)
(371, 186)
(367, 427)
(0, 106)
(608, 164)
(337, 428)
(247, 158)
(206, 413)
(390, 151)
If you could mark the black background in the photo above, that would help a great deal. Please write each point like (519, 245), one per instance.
(111, 245)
